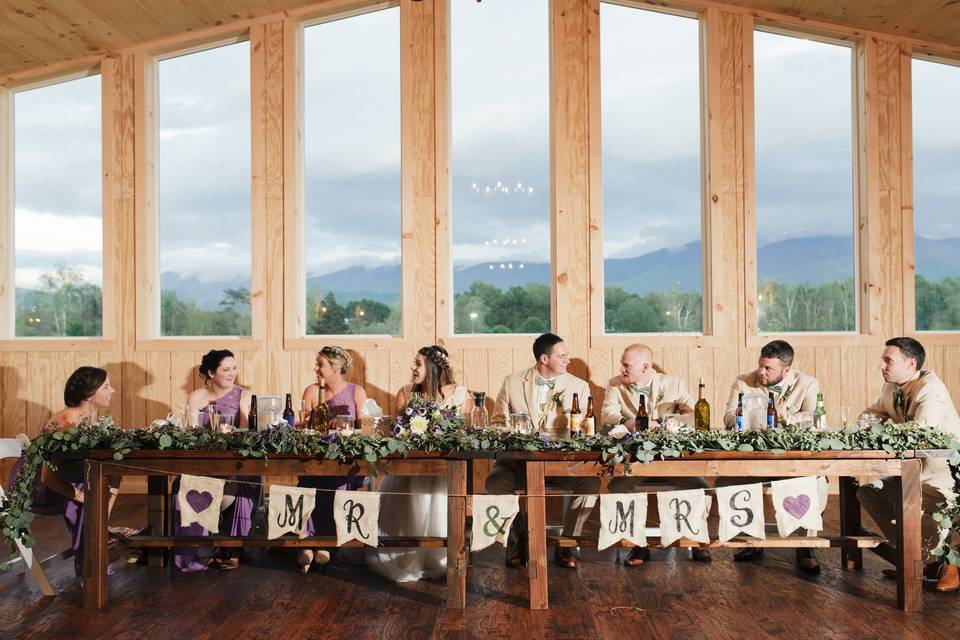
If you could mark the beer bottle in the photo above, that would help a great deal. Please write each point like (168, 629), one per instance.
(771, 412)
(739, 427)
(288, 413)
(576, 418)
(589, 419)
(701, 411)
(819, 414)
(253, 418)
(643, 420)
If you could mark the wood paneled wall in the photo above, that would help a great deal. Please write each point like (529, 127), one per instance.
(153, 376)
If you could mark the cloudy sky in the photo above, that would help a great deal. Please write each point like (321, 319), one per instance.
(500, 137)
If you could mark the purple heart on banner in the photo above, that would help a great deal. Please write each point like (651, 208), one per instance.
(797, 505)
(199, 500)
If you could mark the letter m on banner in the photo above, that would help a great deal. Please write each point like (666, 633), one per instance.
(623, 516)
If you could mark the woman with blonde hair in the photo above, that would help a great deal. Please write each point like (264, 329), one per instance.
(342, 398)
(417, 506)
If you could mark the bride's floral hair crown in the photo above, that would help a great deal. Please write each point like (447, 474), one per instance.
(438, 356)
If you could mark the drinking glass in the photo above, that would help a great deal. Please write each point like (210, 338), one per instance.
(543, 417)
(521, 423)
(805, 419)
(343, 425)
(845, 414)
(215, 422)
(866, 420)
(227, 422)
(192, 419)
(304, 412)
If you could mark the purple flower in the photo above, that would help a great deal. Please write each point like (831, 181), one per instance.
(329, 437)
(397, 429)
(409, 411)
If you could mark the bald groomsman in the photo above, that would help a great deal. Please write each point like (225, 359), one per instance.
(663, 395)
(912, 393)
(544, 392)
(793, 392)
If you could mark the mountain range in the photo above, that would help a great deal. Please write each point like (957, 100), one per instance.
(812, 260)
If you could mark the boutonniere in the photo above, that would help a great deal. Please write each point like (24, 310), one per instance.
(786, 394)
(659, 399)
(558, 399)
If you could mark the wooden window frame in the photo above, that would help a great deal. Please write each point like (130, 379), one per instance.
(937, 337)
(867, 268)
(57, 74)
(445, 297)
(413, 312)
(599, 338)
(147, 224)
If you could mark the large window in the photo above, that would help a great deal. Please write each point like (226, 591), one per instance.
(805, 184)
(500, 149)
(204, 192)
(58, 242)
(352, 174)
(936, 194)
(650, 103)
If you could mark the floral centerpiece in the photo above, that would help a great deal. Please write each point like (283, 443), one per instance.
(421, 416)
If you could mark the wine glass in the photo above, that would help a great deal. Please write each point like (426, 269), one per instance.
(845, 414)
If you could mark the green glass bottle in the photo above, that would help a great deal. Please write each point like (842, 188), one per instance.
(819, 414)
(701, 411)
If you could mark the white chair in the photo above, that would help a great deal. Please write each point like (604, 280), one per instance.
(12, 448)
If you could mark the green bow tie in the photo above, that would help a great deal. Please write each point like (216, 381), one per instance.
(543, 382)
(899, 399)
(777, 389)
(635, 388)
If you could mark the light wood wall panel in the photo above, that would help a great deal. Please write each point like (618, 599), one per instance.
(153, 381)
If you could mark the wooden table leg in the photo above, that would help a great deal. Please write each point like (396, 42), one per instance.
(537, 536)
(456, 534)
(95, 559)
(909, 575)
(157, 491)
(850, 524)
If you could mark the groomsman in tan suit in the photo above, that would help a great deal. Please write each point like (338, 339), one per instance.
(912, 393)
(793, 392)
(544, 392)
(662, 394)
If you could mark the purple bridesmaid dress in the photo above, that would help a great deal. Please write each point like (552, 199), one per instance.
(239, 516)
(321, 520)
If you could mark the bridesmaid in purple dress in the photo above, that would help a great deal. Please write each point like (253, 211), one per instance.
(219, 368)
(342, 399)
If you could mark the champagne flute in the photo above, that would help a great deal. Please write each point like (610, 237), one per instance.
(543, 416)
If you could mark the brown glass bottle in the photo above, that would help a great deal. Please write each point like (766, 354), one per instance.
(253, 418)
(576, 418)
(739, 424)
(643, 420)
(288, 415)
(589, 419)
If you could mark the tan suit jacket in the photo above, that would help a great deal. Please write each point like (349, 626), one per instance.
(668, 394)
(925, 399)
(519, 395)
(799, 394)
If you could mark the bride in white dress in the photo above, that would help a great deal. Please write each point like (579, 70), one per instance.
(425, 512)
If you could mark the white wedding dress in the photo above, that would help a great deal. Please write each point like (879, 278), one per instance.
(422, 514)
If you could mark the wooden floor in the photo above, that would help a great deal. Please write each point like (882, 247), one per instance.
(671, 597)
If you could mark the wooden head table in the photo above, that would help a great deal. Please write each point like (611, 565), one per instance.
(846, 464)
(158, 465)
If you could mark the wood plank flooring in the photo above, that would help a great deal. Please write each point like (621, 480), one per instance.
(671, 597)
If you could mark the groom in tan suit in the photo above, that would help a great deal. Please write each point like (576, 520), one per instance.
(912, 393)
(662, 394)
(544, 392)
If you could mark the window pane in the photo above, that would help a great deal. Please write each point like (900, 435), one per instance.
(204, 192)
(936, 194)
(58, 216)
(352, 174)
(805, 219)
(650, 103)
(500, 116)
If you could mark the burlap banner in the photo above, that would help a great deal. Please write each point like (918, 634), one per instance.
(290, 509)
(199, 499)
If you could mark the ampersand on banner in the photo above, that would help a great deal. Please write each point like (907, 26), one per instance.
(492, 517)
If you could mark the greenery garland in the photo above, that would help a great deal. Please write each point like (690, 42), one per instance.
(447, 434)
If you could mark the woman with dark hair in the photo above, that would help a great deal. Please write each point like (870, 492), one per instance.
(86, 392)
(220, 391)
(417, 506)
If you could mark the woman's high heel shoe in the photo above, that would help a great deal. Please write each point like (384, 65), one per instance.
(304, 558)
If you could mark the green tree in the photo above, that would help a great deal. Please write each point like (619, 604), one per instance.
(327, 317)
(65, 305)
